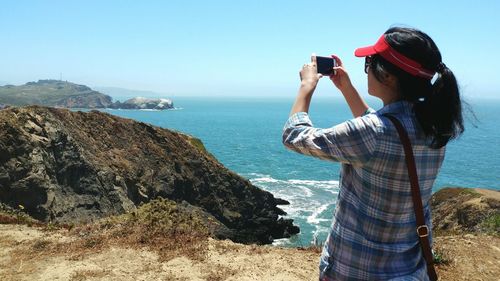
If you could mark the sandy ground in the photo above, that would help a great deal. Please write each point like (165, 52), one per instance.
(22, 257)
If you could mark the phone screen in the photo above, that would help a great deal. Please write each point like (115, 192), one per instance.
(325, 65)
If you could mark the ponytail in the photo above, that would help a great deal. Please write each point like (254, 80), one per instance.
(437, 105)
(440, 113)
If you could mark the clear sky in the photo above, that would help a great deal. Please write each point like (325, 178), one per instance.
(232, 48)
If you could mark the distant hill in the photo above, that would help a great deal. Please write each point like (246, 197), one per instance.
(53, 93)
(57, 93)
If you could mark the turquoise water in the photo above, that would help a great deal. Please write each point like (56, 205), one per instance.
(245, 135)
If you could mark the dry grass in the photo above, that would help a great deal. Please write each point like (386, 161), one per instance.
(9, 215)
(82, 275)
(160, 226)
(41, 244)
(220, 273)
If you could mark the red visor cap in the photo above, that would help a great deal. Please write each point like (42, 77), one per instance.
(379, 47)
(387, 52)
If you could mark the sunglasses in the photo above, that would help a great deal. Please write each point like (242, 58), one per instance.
(368, 63)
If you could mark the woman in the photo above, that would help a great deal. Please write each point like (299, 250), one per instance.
(373, 233)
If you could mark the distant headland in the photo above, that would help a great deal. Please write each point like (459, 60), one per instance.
(57, 93)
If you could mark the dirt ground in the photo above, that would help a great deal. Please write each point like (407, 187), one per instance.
(27, 253)
(469, 257)
(225, 260)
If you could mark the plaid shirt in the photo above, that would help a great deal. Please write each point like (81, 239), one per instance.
(373, 234)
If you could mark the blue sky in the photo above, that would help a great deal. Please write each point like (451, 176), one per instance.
(232, 48)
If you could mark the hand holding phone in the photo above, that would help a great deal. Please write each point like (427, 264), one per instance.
(325, 65)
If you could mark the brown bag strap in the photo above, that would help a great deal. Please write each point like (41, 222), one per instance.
(422, 228)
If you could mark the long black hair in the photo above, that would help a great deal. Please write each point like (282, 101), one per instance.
(437, 105)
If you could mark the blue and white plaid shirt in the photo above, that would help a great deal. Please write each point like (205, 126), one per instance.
(373, 234)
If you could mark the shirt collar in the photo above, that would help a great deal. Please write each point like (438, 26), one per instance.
(398, 107)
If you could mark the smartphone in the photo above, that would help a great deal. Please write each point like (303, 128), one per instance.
(325, 65)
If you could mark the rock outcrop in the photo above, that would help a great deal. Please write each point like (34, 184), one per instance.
(72, 167)
(458, 210)
(144, 103)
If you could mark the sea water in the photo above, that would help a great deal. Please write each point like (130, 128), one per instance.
(245, 135)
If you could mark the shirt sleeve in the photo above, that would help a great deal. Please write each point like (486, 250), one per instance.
(351, 142)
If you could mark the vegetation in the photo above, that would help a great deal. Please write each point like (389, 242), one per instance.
(491, 224)
(196, 142)
(161, 225)
(440, 258)
(471, 191)
(10, 215)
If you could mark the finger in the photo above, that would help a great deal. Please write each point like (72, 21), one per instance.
(338, 70)
(313, 58)
(320, 75)
(339, 61)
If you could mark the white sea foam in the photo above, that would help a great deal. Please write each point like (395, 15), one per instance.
(265, 179)
(319, 234)
(314, 182)
(313, 218)
(306, 187)
(311, 203)
(307, 198)
(307, 192)
(281, 242)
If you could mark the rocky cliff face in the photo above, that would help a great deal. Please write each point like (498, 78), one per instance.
(73, 167)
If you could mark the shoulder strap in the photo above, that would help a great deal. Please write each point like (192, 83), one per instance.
(422, 228)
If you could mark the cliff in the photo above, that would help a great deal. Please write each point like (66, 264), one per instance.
(71, 167)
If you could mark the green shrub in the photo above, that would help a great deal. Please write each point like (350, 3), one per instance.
(492, 224)
(161, 225)
(439, 258)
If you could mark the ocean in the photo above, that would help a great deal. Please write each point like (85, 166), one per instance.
(244, 134)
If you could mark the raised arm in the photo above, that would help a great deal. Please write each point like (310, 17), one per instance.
(309, 78)
(342, 81)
